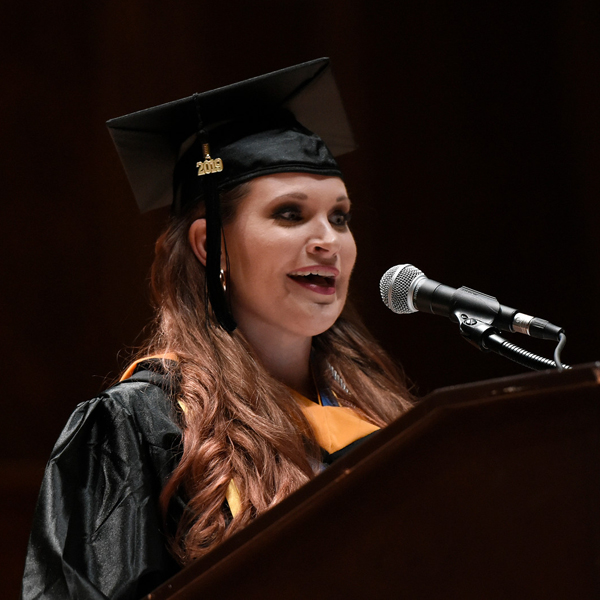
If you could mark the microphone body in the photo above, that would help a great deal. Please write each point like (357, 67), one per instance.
(405, 289)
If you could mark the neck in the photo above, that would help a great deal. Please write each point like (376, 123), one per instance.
(286, 357)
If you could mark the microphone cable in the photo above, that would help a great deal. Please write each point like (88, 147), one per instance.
(498, 344)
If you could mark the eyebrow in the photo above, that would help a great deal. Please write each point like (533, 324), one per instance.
(303, 196)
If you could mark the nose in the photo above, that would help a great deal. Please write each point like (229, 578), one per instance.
(324, 239)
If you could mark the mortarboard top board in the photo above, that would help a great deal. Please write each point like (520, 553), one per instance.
(149, 142)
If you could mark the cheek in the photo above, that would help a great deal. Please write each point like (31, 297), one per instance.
(350, 252)
(273, 249)
(256, 258)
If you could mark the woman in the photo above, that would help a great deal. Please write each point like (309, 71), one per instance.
(257, 376)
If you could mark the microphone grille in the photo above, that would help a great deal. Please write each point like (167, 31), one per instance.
(396, 286)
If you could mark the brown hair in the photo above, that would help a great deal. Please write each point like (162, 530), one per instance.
(238, 422)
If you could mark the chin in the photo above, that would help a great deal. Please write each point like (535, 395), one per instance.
(322, 322)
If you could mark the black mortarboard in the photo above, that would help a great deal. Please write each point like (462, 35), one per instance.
(290, 120)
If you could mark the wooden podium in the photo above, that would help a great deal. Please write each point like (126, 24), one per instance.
(484, 491)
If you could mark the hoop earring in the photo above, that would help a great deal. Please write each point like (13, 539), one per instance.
(223, 280)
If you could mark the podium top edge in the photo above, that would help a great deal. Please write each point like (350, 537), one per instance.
(587, 374)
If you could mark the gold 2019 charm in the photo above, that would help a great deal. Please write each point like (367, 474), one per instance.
(209, 165)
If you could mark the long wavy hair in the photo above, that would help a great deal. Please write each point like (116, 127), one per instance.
(239, 423)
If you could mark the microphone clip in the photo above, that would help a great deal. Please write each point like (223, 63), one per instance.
(474, 330)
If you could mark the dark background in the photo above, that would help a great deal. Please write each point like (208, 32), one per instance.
(478, 162)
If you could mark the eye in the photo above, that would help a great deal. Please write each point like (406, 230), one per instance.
(289, 213)
(340, 218)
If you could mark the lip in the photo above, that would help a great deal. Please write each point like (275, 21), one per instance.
(323, 271)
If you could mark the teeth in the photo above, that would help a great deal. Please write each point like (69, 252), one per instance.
(314, 272)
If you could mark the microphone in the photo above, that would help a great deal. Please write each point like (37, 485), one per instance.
(405, 289)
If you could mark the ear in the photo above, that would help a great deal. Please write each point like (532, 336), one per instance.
(197, 238)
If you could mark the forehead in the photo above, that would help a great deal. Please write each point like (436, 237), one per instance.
(299, 186)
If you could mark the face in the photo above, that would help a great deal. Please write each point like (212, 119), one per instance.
(291, 254)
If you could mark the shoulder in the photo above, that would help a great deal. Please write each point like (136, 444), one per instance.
(100, 495)
(137, 412)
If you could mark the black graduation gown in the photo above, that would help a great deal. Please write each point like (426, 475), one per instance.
(97, 527)
(97, 530)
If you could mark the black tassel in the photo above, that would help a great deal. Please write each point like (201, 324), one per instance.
(214, 287)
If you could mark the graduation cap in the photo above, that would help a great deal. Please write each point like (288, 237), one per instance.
(290, 120)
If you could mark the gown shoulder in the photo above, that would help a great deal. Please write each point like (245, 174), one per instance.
(97, 531)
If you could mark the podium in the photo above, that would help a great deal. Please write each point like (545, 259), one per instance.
(487, 491)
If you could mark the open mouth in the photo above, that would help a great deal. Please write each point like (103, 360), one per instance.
(318, 280)
(315, 281)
